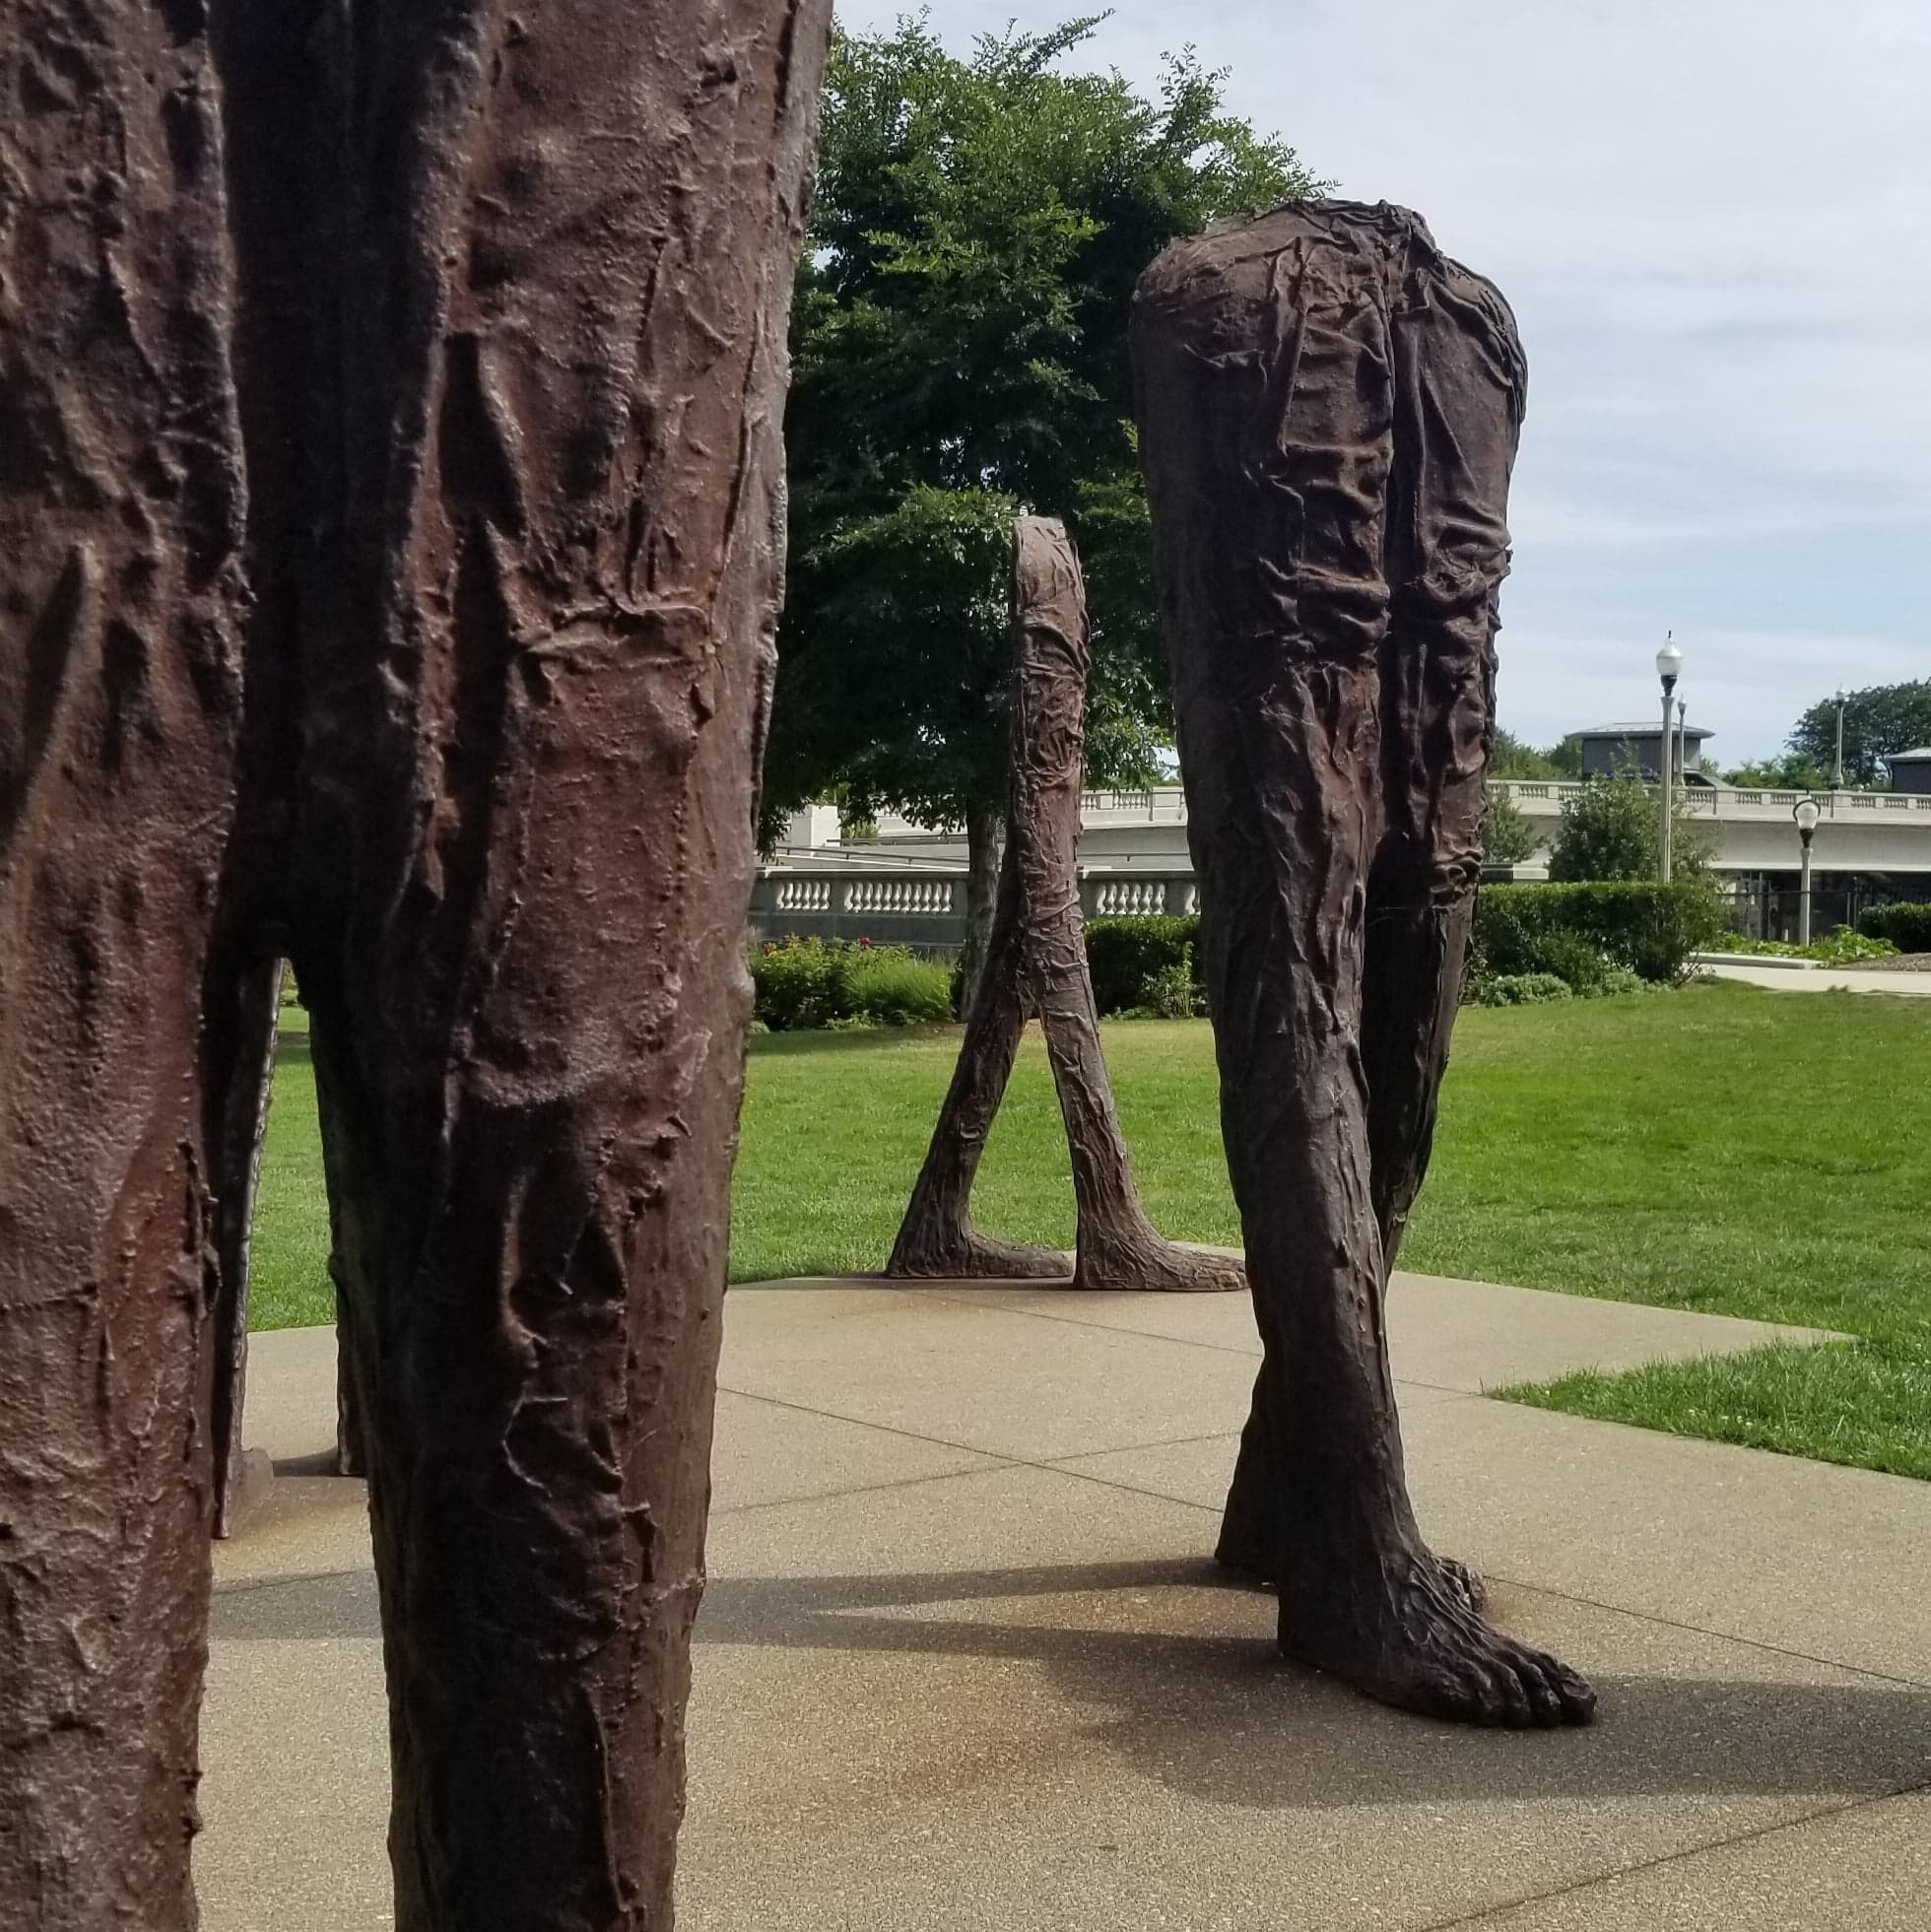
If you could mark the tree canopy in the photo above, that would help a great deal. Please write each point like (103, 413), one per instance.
(960, 342)
(1878, 720)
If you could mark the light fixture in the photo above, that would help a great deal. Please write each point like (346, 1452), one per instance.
(1669, 662)
(1806, 812)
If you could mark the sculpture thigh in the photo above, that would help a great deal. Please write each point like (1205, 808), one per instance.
(1459, 394)
(120, 617)
(1269, 427)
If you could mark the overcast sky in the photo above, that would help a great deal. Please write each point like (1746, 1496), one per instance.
(1714, 220)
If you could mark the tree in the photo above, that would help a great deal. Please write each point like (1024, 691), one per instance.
(1608, 831)
(1879, 720)
(1508, 836)
(1512, 757)
(959, 343)
(1565, 755)
(1794, 772)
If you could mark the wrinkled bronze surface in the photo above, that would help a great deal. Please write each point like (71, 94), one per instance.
(1035, 964)
(1329, 410)
(391, 524)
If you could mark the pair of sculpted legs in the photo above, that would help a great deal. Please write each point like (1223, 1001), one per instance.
(390, 529)
(1329, 412)
(1035, 964)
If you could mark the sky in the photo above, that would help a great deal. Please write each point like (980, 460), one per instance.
(1713, 221)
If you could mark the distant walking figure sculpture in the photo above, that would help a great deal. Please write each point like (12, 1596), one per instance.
(1035, 964)
(1330, 411)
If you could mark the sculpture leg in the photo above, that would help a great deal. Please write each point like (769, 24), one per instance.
(1119, 1248)
(120, 698)
(1458, 385)
(1270, 421)
(537, 701)
(937, 1239)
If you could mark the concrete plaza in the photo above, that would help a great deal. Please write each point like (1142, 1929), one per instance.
(962, 1663)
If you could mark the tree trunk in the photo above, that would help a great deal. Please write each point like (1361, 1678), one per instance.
(982, 845)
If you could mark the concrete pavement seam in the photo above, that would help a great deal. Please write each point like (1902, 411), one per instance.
(1490, 1912)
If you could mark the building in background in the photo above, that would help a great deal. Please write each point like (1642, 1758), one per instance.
(1910, 771)
(1623, 751)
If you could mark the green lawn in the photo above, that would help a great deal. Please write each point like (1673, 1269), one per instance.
(1723, 1149)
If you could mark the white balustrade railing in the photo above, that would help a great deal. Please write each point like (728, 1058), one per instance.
(918, 899)
(804, 896)
(1130, 899)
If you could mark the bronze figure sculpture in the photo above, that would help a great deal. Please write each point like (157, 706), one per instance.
(391, 521)
(1035, 964)
(1330, 411)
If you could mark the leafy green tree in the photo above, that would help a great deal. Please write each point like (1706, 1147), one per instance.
(1879, 720)
(1610, 829)
(1508, 836)
(1514, 758)
(960, 342)
(1794, 772)
(1566, 754)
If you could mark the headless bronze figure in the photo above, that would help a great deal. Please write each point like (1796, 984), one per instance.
(1035, 964)
(1330, 411)
(391, 523)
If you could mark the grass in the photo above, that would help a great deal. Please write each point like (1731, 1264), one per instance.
(1723, 1149)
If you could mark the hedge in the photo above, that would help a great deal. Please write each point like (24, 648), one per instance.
(1125, 955)
(1648, 928)
(1907, 926)
(803, 984)
(1587, 935)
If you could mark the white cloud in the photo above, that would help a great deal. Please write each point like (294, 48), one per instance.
(1714, 220)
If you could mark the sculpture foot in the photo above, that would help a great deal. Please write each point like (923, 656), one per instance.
(970, 1255)
(1412, 1638)
(1155, 1266)
(1257, 1571)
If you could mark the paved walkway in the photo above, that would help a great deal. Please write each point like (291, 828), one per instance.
(1802, 976)
(962, 1665)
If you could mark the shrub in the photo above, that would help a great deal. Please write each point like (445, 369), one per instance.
(1522, 989)
(1126, 956)
(894, 988)
(1609, 833)
(799, 984)
(1649, 929)
(1907, 926)
(803, 983)
(1508, 836)
(1173, 993)
(1841, 948)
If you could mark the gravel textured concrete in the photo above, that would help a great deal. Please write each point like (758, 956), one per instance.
(962, 1663)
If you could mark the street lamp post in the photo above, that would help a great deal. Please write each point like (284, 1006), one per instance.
(1807, 813)
(1837, 769)
(1669, 667)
